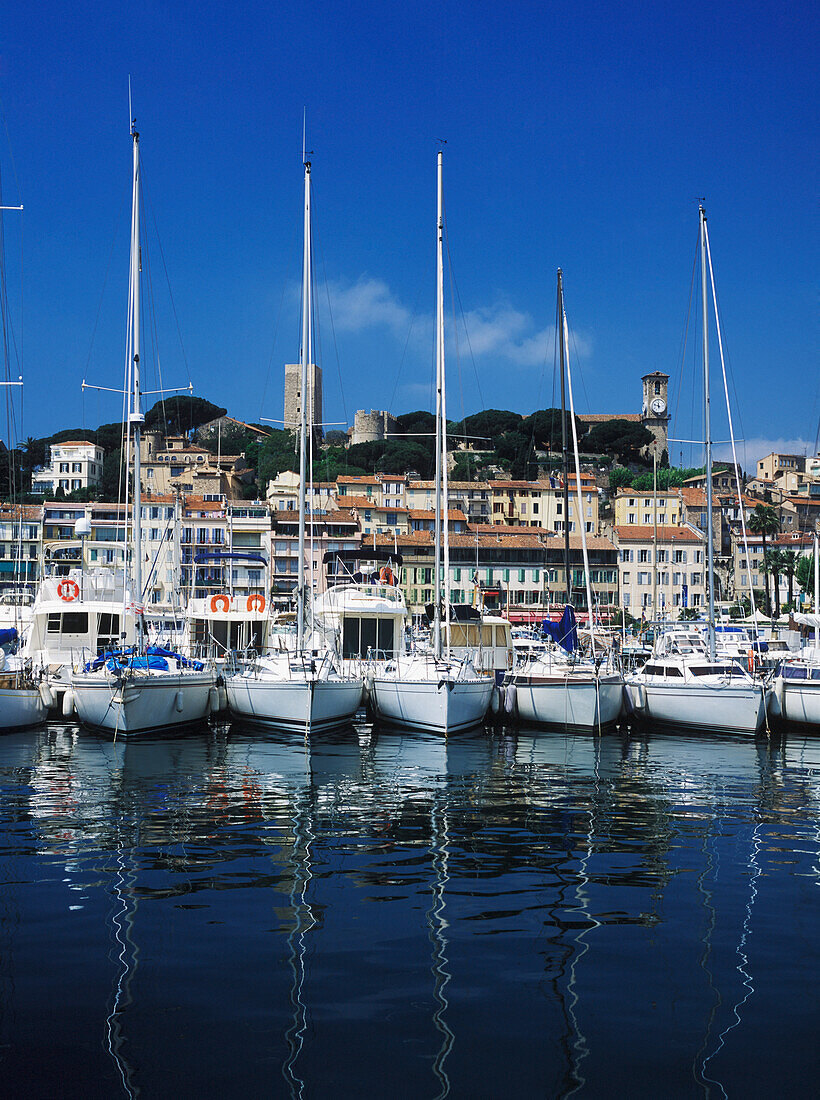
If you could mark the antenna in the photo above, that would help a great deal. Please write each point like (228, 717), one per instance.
(304, 128)
(131, 118)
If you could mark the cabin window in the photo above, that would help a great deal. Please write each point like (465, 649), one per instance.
(70, 622)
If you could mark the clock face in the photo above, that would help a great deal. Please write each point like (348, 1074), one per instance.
(658, 406)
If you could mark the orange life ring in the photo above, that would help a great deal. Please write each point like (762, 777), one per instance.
(256, 602)
(68, 591)
(750, 662)
(220, 600)
(386, 575)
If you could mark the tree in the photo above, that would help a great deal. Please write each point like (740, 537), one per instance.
(544, 428)
(773, 563)
(489, 424)
(181, 414)
(336, 438)
(805, 573)
(763, 522)
(620, 478)
(624, 438)
(790, 559)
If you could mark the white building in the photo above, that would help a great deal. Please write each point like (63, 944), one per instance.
(75, 464)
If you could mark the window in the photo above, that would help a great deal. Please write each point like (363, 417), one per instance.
(521, 576)
(698, 557)
(625, 578)
(627, 555)
(643, 555)
(663, 578)
(625, 599)
(662, 517)
(647, 519)
(643, 578)
(630, 517)
(676, 578)
(679, 556)
(535, 508)
(696, 578)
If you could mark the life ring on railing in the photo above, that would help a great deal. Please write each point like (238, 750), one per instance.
(386, 575)
(256, 603)
(220, 602)
(68, 591)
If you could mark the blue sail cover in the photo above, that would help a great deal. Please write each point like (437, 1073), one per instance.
(8, 636)
(564, 632)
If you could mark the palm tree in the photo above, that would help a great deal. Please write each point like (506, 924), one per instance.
(763, 521)
(790, 559)
(773, 563)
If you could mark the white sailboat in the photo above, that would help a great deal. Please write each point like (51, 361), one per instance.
(23, 700)
(554, 687)
(139, 688)
(685, 682)
(299, 690)
(796, 688)
(436, 692)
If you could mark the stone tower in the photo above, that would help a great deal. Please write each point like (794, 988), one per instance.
(655, 409)
(293, 397)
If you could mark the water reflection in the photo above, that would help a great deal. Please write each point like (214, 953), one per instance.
(375, 912)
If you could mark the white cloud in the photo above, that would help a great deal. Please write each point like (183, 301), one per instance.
(751, 450)
(499, 330)
(367, 303)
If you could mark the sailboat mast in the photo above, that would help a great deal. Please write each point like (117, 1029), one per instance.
(564, 441)
(439, 403)
(710, 563)
(307, 306)
(135, 417)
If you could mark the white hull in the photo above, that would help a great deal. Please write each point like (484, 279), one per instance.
(796, 700)
(21, 708)
(142, 703)
(578, 702)
(738, 708)
(298, 705)
(438, 705)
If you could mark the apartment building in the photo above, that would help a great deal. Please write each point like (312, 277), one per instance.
(75, 464)
(541, 504)
(679, 569)
(21, 532)
(473, 498)
(327, 531)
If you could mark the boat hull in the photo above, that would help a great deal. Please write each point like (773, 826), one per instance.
(21, 708)
(434, 705)
(796, 701)
(142, 704)
(734, 708)
(297, 706)
(577, 703)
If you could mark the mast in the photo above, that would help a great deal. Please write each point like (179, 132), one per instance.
(579, 491)
(439, 403)
(135, 417)
(564, 442)
(710, 553)
(307, 306)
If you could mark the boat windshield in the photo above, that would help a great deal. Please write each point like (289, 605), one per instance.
(717, 670)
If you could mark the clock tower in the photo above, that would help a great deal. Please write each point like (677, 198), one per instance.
(655, 410)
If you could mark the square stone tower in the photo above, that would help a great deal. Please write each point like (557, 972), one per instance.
(293, 397)
(655, 410)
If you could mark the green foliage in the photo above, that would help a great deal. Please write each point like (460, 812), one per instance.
(626, 438)
(232, 440)
(620, 477)
(421, 422)
(273, 455)
(804, 573)
(544, 429)
(335, 438)
(181, 414)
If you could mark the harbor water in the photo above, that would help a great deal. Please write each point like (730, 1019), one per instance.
(520, 913)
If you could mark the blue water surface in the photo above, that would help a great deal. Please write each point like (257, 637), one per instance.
(528, 913)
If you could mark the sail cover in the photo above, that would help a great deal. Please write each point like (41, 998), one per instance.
(565, 631)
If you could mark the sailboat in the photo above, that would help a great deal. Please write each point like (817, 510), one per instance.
(437, 692)
(555, 686)
(301, 690)
(139, 688)
(685, 682)
(23, 700)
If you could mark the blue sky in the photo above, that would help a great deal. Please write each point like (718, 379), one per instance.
(577, 136)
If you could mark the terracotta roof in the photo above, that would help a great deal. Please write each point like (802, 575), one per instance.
(341, 515)
(75, 443)
(451, 484)
(21, 511)
(692, 496)
(602, 418)
(644, 533)
(423, 513)
(509, 528)
(356, 479)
